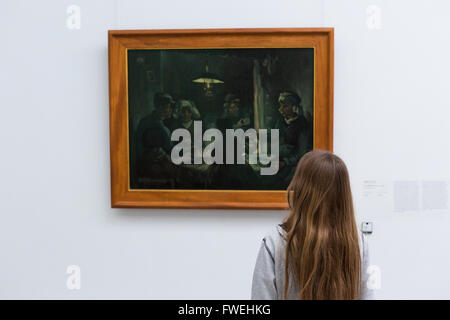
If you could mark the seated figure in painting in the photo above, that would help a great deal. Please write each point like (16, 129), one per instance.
(171, 122)
(187, 114)
(296, 137)
(233, 116)
(154, 165)
(232, 176)
(191, 176)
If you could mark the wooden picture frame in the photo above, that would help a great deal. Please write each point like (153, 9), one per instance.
(120, 41)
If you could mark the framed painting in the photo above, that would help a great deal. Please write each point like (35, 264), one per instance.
(216, 118)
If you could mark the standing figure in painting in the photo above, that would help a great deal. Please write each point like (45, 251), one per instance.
(154, 145)
(296, 137)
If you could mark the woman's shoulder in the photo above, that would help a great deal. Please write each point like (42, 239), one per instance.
(281, 233)
(275, 233)
(274, 238)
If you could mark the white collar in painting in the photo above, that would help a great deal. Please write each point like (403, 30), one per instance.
(288, 121)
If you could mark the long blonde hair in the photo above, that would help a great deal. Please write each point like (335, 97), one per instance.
(322, 247)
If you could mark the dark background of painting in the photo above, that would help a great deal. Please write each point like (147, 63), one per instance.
(172, 72)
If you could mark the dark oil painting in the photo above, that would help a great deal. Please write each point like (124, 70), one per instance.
(207, 92)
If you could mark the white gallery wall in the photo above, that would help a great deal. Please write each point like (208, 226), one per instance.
(392, 109)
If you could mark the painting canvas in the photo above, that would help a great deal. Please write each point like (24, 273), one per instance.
(216, 118)
(226, 90)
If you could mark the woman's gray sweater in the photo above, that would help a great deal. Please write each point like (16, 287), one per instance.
(268, 276)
